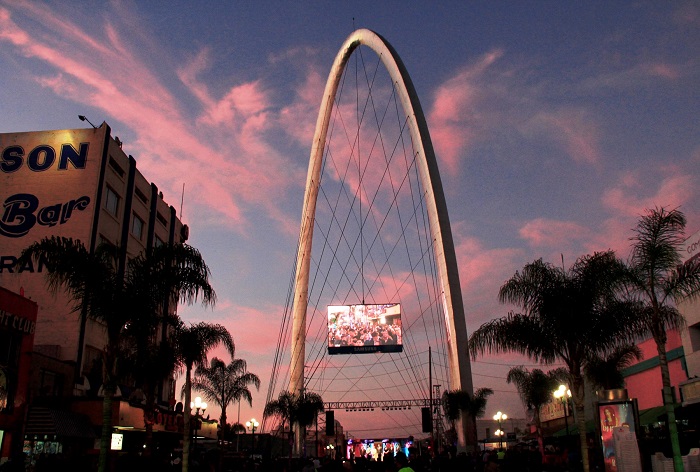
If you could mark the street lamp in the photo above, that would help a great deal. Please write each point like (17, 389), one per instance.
(252, 426)
(563, 394)
(500, 418)
(198, 406)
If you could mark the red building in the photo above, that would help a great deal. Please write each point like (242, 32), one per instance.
(643, 379)
(17, 326)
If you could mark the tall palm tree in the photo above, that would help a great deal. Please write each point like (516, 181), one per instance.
(456, 403)
(535, 389)
(155, 281)
(567, 314)
(606, 371)
(307, 406)
(281, 408)
(192, 343)
(295, 409)
(95, 283)
(223, 383)
(659, 280)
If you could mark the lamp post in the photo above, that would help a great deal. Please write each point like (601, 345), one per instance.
(198, 406)
(500, 418)
(252, 426)
(563, 394)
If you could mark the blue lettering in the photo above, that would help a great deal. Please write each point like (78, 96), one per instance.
(19, 215)
(12, 158)
(43, 157)
(9, 264)
(48, 216)
(33, 161)
(69, 153)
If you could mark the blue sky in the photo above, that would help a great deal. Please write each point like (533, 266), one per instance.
(555, 125)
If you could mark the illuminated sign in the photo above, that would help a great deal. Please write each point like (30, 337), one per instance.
(357, 329)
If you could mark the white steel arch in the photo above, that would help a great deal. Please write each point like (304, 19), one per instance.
(448, 276)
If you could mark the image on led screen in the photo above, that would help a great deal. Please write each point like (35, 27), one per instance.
(357, 329)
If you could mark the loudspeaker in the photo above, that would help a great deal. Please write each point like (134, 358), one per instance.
(427, 420)
(330, 423)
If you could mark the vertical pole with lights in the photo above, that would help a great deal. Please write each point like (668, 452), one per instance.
(500, 417)
(564, 394)
(252, 425)
(198, 406)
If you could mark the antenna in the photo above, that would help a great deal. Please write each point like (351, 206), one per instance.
(182, 199)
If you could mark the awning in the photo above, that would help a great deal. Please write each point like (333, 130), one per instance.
(573, 429)
(64, 424)
(652, 415)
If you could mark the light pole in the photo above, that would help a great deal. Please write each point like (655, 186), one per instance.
(500, 418)
(197, 405)
(252, 426)
(563, 394)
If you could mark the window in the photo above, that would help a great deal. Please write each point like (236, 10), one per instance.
(92, 359)
(50, 383)
(141, 196)
(694, 334)
(137, 227)
(158, 242)
(116, 167)
(9, 359)
(112, 202)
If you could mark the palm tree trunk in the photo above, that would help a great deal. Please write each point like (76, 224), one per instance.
(149, 412)
(579, 398)
(106, 437)
(669, 407)
(222, 427)
(540, 436)
(108, 388)
(186, 417)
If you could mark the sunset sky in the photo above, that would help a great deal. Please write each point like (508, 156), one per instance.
(555, 124)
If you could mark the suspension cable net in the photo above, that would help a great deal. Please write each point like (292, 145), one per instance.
(371, 245)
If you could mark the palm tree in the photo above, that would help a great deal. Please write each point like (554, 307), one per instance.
(307, 406)
(155, 281)
(535, 389)
(456, 403)
(223, 383)
(192, 343)
(659, 280)
(605, 371)
(95, 284)
(567, 315)
(282, 409)
(295, 409)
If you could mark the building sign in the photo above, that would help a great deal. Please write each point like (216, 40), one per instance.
(691, 248)
(16, 323)
(48, 186)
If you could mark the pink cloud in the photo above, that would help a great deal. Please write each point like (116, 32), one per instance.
(455, 112)
(573, 129)
(543, 232)
(227, 172)
(299, 118)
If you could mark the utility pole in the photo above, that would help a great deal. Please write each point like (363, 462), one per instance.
(436, 420)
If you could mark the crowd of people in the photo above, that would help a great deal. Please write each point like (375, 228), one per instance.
(366, 334)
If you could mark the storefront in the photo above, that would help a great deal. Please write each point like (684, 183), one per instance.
(17, 324)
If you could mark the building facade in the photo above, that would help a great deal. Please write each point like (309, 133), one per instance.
(690, 389)
(17, 326)
(78, 184)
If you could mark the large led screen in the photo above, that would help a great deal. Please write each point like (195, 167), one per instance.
(357, 329)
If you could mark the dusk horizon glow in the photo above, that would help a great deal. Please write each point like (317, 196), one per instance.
(555, 126)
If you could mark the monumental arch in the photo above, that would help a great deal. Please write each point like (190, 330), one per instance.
(447, 276)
